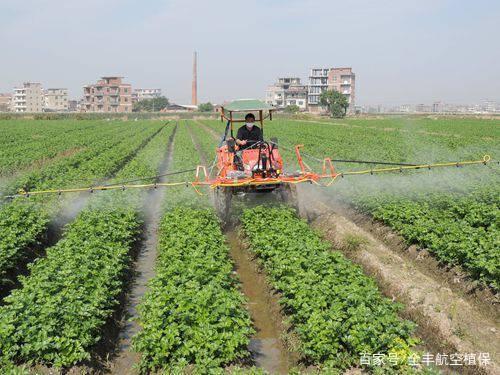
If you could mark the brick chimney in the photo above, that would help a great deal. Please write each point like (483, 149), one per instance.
(194, 89)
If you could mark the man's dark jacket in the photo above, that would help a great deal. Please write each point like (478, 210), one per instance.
(249, 135)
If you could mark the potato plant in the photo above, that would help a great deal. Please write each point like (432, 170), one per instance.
(336, 311)
(193, 313)
(23, 224)
(58, 314)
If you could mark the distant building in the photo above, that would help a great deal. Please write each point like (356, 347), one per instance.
(29, 98)
(287, 91)
(404, 108)
(342, 80)
(109, 94)
(5, 100)
(72, 105)
(490, 106)
(142, 94)
(56, 100)
(172, 107)
(423, 108)
(437, 107)
(318, 82)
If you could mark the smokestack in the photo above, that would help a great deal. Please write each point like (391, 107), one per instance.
(194, 89)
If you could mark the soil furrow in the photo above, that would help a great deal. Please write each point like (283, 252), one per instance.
(267, 345)
(125, 357)
(209, 130)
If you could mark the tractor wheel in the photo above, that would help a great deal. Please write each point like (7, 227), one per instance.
(222, 202)
(289, 196)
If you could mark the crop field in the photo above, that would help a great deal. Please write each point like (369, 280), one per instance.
(149, 280)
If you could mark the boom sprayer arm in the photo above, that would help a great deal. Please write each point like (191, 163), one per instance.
(306, 175)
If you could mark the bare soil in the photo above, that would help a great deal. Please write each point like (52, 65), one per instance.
(269, 347)
(448, 321)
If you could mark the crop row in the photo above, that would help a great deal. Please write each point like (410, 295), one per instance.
(85, 167)
(55, 317)
(193, 313)
(25, 143)
(185, 157)
(23, 224)
(336, 311)
(58, 314)
(463, 232)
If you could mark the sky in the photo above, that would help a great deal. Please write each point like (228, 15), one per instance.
(403, 52)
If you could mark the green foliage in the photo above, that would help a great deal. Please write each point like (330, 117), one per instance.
(337, 311)
(151, 105)
(335, 101)
(206, 107)
(99, 116)
(463, 231)
(193, 313)
(292, 109)
(21, 227)
(186, 157)
(107, 151)
(57, 314)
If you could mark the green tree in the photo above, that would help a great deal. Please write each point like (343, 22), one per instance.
(151, 105)
(206, 107)
(336, 103)
(292, 108)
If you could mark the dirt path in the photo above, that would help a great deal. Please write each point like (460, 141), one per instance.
(267, 346)
(144, 271)
(448, 322)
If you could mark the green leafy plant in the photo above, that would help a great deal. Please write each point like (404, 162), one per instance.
(337, 311)
(193, 314)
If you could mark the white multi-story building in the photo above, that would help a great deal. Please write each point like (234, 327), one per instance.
(338, 79)
(490, 106)
(142, 94)
(287, 91)
(318, 82)
(56, 100)
(28, 98)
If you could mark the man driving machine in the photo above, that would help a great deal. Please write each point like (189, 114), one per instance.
(248, 134)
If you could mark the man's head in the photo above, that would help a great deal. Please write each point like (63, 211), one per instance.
(249, 120)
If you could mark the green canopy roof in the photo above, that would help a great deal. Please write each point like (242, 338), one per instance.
(247, 105)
